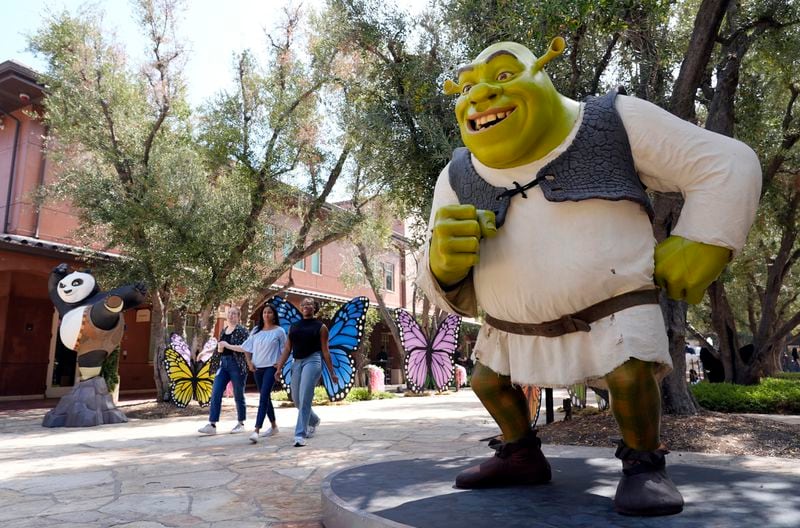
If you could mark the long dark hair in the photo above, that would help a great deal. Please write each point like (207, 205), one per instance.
(260, 317)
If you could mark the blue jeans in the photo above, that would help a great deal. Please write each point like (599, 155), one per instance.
(228, 372)
(265, 379)
(305, 376)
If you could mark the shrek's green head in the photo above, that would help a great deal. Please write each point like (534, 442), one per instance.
(508, 111)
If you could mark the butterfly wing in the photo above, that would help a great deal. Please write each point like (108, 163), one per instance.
(442, 350)
(344, 336)
(415, 345)
(203, 382)
(179, 345)
(208, 350)
(181, 377)
(533, 395)
(288, 314)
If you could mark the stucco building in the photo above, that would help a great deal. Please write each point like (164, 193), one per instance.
(34, 239)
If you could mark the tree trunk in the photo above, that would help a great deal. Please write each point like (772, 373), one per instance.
(706, 27)
(387, 316)
(724, 325)
(158, 339)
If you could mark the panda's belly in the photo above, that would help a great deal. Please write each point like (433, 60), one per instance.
(71, 327)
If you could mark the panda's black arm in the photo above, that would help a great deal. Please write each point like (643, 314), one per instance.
(132, 295)
(58, 273)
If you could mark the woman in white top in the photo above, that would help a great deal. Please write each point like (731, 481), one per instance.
(262, 350)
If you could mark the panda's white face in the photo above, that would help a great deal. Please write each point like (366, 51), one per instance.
(76, 287)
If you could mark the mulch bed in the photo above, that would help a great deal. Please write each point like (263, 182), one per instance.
(707, 432)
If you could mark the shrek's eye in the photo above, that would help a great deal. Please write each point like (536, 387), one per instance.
(466, 88)
(504, 76)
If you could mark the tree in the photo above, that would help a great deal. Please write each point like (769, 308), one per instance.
(752, 73)
(188, 208)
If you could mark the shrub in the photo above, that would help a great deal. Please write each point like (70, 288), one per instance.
(321, 397)
(110, 370)
(771, 396)
(788, 375)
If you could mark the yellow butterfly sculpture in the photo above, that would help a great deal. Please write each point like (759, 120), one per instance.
(188, 381)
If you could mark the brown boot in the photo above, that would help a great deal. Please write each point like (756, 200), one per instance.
(645, 488)
(514, 463)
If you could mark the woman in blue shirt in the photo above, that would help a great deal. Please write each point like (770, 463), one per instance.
(262, 350)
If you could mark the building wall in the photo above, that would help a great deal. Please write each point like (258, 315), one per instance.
(53, 221)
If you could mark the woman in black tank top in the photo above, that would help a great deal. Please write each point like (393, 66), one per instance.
(308, 344)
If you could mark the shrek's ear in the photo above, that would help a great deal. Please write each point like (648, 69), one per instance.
(556, 48)
(451, 88)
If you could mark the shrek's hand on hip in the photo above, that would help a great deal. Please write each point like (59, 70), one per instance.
(455, 241)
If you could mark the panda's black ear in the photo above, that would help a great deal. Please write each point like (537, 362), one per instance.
(87, 271)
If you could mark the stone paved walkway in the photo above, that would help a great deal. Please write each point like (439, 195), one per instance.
(154, 473)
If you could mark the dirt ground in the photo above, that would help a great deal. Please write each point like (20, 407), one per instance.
(708, 432)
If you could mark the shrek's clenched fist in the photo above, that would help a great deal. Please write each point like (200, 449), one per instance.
(457, 232)
(543, 221)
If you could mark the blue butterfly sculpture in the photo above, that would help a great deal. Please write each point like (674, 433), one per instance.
(344, 335)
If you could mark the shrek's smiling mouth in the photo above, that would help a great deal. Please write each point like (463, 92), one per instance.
(487, 119)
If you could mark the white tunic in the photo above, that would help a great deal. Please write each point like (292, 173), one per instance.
(552, 259)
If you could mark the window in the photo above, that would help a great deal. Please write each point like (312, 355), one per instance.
(388, 276)
(288, 245)
(316, 262)
(270, 239)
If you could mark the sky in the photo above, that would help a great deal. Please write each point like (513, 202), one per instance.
(214, 30)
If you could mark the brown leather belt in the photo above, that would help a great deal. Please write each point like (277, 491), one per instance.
(579, 321)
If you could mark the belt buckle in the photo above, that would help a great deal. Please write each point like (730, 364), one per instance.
(573, 324)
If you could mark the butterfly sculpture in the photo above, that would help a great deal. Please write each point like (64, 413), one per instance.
(429, 363)
(190, 378)
(533, 395)
(344, 335)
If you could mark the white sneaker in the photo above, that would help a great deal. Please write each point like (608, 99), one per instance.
(208, 429)
(254, 438)
(299, 441)
(269, 432)
(239, 428)
(312, 430)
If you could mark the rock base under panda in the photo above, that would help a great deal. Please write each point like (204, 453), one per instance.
(88, 404)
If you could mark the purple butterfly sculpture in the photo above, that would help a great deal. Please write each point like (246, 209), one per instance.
(429, 364)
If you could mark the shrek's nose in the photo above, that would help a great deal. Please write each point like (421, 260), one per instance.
(482, 92)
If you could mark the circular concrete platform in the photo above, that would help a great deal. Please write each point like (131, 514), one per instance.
(419, 493)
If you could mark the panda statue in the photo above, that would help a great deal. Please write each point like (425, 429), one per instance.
(92, 325)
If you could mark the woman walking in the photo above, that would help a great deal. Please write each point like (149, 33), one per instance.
(308, 344)
(262, 350)
(233, 368)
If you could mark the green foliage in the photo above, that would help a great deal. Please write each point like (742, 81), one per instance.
(363, 394)
(771, 396)
(110, 370)
(321, 397)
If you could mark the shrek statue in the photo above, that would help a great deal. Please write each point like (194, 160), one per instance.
(543, 222)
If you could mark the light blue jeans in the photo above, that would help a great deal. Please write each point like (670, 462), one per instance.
(305, 376)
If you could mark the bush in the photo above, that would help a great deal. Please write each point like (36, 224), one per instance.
(110, 370)
(771, 396)
(788, 375)
(321, 397)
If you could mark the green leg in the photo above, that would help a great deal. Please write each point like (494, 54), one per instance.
(636, 403)
(505, 402)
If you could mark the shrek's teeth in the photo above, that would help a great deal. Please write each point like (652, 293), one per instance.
(489, 120)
